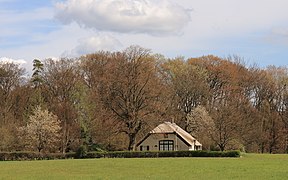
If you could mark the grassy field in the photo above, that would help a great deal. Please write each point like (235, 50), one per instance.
(249, 166)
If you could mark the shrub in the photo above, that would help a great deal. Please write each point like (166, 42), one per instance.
(81, 152)
(20, 156)
(153, 154)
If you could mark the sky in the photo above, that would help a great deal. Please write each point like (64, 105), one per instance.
(256, 31)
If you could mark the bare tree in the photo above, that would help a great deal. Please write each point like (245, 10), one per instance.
(188, 87)
(62, 92)
(131, 90)
(11, 102)
(10, 78)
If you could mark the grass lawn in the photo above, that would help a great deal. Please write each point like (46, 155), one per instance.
(249, 166)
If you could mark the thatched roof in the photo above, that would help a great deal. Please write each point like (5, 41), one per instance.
(168, 127)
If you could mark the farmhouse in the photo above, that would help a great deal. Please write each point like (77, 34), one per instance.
(168, 137)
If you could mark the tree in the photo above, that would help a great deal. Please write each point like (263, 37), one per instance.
(280, 78)
(201, 125)
(131, 90)
(198, 119)
(226, 119)
(188, 87)
(228, 90)
(100, 123)
(10, 78)
(42, 130)
(269, 101)
(61, 86)
(12, 97)
(38, 68)
(37, 94)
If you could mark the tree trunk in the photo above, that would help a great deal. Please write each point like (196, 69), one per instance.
(286, 139)
(286, 150)
(262, 147)
(286, 144)
(65, 138)
(222, 147)
(131, 145)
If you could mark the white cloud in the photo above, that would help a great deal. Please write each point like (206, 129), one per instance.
(280, 32)
(10, 60)
(216, 27)
(278, 36)
(93, 44)
(125, 16)
(226, 17)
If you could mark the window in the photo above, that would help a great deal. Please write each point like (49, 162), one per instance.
(166, 145)
(144, 148)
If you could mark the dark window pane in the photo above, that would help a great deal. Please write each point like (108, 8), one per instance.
(166, 145)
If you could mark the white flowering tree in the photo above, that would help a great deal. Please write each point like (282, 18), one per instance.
(42, 130)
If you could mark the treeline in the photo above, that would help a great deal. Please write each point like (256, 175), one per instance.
(109, 100)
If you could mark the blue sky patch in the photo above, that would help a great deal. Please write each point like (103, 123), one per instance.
(24, 5)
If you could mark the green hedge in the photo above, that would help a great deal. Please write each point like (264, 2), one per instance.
(18, 156)
(155, 154)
